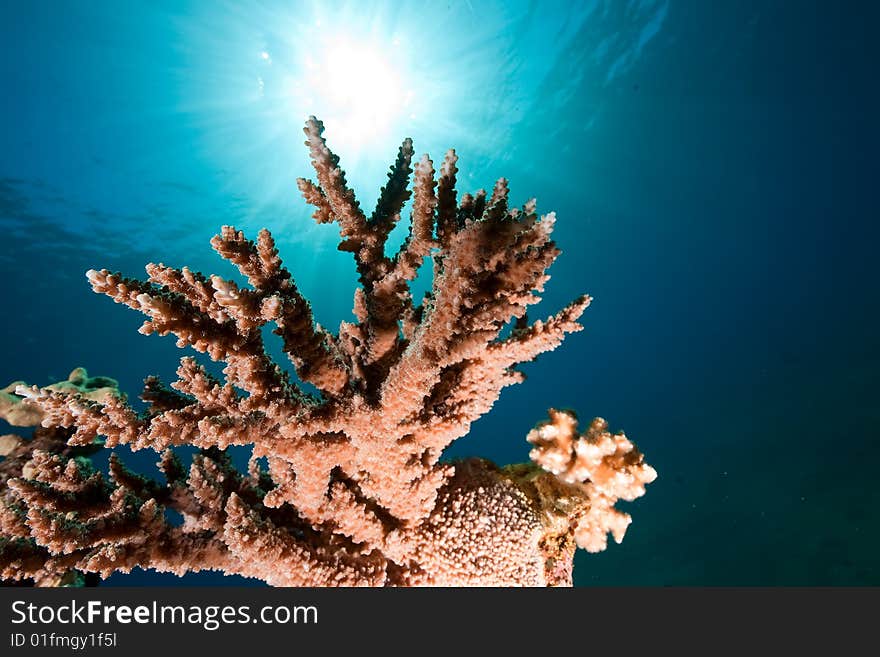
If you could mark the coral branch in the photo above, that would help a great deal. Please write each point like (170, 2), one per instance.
(603, 467)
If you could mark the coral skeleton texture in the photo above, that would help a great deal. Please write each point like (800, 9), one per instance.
(355, 491)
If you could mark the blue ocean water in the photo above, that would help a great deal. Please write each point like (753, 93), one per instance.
(711, 166)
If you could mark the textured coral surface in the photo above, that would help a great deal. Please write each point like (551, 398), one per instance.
(354, 492)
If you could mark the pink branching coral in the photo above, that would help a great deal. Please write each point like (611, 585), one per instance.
(355, 492)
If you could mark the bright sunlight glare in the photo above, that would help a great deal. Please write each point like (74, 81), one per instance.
(376, 71)
(355, 86)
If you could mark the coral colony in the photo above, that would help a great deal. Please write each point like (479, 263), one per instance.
(354, 492)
